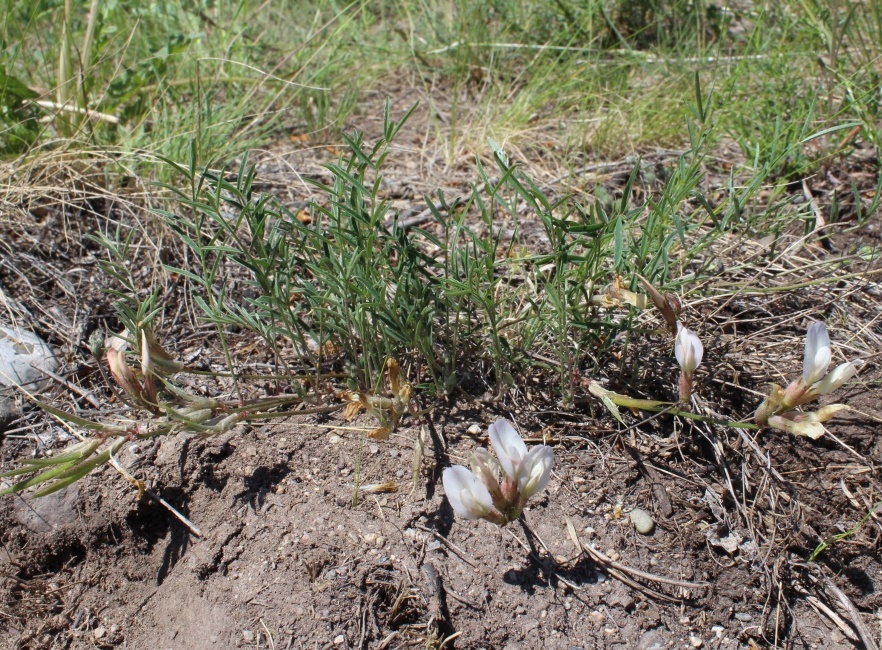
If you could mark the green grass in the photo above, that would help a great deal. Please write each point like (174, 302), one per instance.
(614, 78)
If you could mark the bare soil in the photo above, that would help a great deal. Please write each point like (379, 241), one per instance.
(288, 559)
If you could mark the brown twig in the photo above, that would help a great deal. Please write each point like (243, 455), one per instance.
(624, 573)
(453, 547)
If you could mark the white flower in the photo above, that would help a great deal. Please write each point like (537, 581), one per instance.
(536, 471)
(840, 374)
(688, 349)
(467, 494)
(497, 489)
(509, 446)
(531, 470)
(817, 353)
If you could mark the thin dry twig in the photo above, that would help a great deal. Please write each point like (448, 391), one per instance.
(453, 547)
(854, 614)
(623, 572)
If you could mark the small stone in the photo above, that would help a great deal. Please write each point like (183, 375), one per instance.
(23, 357)
(374, 449)
(653, 640)
(281, 489)
(744, 617)
(380, 542)
(334, 439)
(52, 512)
(213, 638)
(251, 451)
(596, 617)
(528, 625)
(247, 636)
(613, 555)
(339, 639)
(474, 430)
(642, 521)
(393, 453)
(695, 642)
(99, 632)
(370, 538)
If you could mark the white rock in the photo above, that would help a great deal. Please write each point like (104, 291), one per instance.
(642, 521)
(23, 356)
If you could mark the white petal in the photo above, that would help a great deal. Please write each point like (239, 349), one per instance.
(688, 349)
(468, 495)
(509, 446)
(537, 471)
(817, 353)
(838, 376)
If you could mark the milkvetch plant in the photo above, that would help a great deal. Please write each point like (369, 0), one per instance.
(777, 409)
(497, 489)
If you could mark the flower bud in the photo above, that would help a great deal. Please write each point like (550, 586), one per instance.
(688, 349)
(817, 353)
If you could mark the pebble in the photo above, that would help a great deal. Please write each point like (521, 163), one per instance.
(695, 642)
(642, 521)
(99, 632)
(380, 542)
(339, 639)
(529, 624)
(744, 617)
(334, 439)
(474, 430)
(596, 617)
(247, 636)
(393, 453)
(374, 449)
